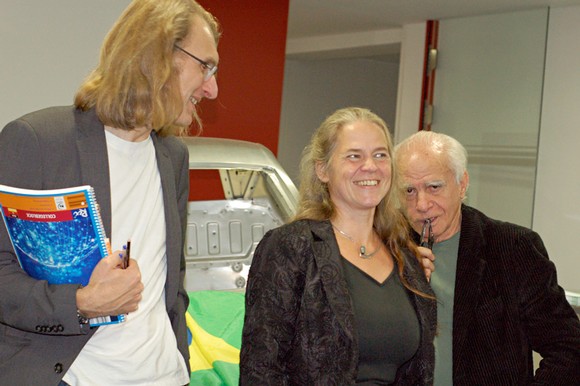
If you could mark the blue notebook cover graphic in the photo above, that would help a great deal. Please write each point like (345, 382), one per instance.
(58, 235)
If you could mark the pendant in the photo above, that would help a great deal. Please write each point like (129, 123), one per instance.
(363, 253)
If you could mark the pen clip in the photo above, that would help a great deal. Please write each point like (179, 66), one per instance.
(427, 237)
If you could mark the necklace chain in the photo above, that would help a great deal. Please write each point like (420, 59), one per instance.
(362, 249)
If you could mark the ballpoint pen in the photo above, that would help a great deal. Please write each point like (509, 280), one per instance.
(127, 256)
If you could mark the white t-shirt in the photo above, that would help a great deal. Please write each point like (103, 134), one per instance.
(143, 349)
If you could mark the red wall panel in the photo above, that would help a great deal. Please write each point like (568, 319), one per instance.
(251, 71)
(250, 79)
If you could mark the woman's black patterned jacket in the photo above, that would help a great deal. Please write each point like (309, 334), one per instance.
(299, 323)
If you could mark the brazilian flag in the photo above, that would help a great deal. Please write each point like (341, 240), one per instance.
(214, 322)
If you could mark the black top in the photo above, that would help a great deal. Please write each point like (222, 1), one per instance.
(386, 322)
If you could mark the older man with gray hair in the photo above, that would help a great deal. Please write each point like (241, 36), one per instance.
(498, 296)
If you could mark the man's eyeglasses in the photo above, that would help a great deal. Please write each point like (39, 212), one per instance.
(209, 70)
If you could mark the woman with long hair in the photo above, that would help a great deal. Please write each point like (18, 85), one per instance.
(338, 296)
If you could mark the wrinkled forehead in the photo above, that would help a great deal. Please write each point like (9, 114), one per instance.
(421, 159)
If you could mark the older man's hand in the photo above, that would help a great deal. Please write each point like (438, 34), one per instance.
(427, 259)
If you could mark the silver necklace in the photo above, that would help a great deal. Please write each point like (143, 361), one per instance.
(362, 249)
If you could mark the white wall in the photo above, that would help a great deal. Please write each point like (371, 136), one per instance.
(553, 202)
(324, 73)
(410, 80)
(48, 48)
(488, 95)
(557, 196)
(313, 89)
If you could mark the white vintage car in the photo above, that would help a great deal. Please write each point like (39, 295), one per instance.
(222, 234)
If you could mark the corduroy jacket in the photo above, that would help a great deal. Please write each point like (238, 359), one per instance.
(508, 303)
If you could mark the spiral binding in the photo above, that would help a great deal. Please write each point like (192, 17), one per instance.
(95, 214)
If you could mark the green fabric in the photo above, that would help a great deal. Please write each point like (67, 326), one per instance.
(221, 313)
(215, 336)
(223, 374)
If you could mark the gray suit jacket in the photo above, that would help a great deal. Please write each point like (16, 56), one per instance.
(56, 148)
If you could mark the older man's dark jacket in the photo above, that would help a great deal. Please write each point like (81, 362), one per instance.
(508, 303)
(299, 326)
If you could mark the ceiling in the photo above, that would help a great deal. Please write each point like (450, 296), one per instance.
(308, 18)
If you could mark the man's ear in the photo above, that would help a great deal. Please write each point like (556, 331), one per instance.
(321, 172)
(464, 183)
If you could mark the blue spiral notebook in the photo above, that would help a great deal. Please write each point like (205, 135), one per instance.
(57, 235)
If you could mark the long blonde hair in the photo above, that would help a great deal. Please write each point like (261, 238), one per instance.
(314, 198)
(135, 83)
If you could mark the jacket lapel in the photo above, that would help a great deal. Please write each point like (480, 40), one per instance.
(172, 222)
(94, 161)
(327, 257)
(470, 269)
